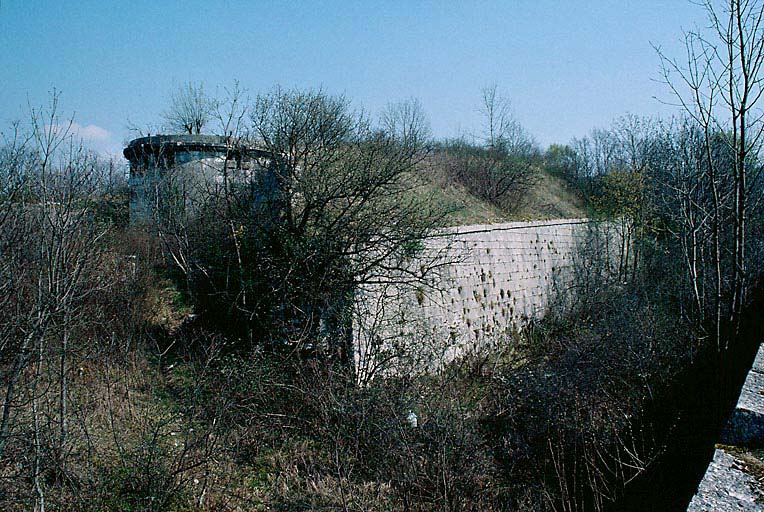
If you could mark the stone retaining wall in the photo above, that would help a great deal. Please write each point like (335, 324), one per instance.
(490, 279)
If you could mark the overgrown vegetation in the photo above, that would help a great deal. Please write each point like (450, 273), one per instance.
(499, 166)
(206, 363)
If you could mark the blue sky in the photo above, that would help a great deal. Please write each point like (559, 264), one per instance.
(567, 66)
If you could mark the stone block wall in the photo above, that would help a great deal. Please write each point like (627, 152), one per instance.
(489, 280)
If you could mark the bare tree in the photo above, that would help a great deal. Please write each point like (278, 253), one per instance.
(332, 205)
(719, 84)
(52, 248)
(190, 110)
(503, 164)
(230, 112)
(502, 130)
(407, 119)
(497, 112)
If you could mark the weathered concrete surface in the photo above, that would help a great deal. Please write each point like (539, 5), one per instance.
(728, 487)
(746, 426)
(493, 279)
(189, 163)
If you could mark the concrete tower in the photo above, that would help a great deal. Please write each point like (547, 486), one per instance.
(190, 163)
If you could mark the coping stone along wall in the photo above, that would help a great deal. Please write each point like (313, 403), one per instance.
(746, 425)
(728, 483)
(490, 280)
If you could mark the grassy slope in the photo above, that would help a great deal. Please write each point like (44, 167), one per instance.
(549, 198)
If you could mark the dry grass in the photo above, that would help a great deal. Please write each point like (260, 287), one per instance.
(751, 460)
(550, 198)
